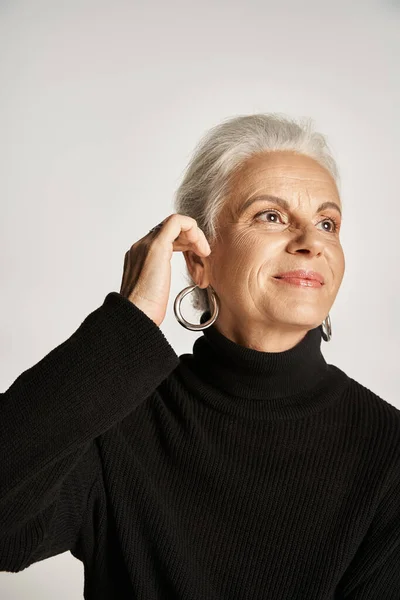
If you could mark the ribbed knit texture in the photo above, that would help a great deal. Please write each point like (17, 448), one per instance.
(223, 474)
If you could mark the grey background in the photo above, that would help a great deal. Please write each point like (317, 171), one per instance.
(101, 104)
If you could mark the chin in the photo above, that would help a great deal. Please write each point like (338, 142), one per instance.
(301, 319)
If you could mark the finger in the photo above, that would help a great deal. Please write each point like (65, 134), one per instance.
(196, 238)
(193, 239)
(181, 229)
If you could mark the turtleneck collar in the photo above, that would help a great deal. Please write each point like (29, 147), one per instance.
(246, 382)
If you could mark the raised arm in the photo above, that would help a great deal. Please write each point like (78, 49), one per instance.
(52, 413)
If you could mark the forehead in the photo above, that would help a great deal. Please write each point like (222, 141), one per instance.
(284, 173)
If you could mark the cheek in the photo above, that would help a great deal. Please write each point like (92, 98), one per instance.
(235, 249)
(245, 256)
(235, 264)
(339, 264)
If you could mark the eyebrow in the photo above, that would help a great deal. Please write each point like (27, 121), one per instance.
(284, 203)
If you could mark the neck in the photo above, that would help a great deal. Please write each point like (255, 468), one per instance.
(248, 383)
(270, 338)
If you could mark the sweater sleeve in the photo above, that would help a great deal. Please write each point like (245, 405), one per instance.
(374, 573)
(53, 412)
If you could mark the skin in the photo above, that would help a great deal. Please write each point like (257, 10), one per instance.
(255, 310)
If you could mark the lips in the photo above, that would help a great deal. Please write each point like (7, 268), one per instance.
(302, 274)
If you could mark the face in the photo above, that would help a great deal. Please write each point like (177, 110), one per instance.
(259, 240)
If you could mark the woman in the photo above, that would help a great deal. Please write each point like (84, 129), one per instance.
(249, 468)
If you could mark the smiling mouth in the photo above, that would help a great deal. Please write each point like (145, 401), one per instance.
(301, 282)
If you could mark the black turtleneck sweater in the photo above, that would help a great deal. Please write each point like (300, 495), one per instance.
(224, 474)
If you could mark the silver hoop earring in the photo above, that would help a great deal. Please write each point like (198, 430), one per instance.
(326, 328)
(192, 326)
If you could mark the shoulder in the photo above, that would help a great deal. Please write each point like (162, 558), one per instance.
(374, 400)
(373, 412)
(374, 425)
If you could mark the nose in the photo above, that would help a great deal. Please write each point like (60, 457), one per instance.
(306, 240)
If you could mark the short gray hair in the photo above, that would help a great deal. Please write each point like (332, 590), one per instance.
(222, 150)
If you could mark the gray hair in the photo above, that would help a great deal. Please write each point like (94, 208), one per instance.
(222, 150)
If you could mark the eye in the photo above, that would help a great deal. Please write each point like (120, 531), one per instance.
(333, 222)
(274, 213)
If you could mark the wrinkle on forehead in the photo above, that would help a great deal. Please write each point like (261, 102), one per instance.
(281, 161)
(272, 173)
(282, 173)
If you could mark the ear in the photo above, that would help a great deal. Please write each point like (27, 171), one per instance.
(198, 267)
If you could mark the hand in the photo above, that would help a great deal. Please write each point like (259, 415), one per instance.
(146, 279)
